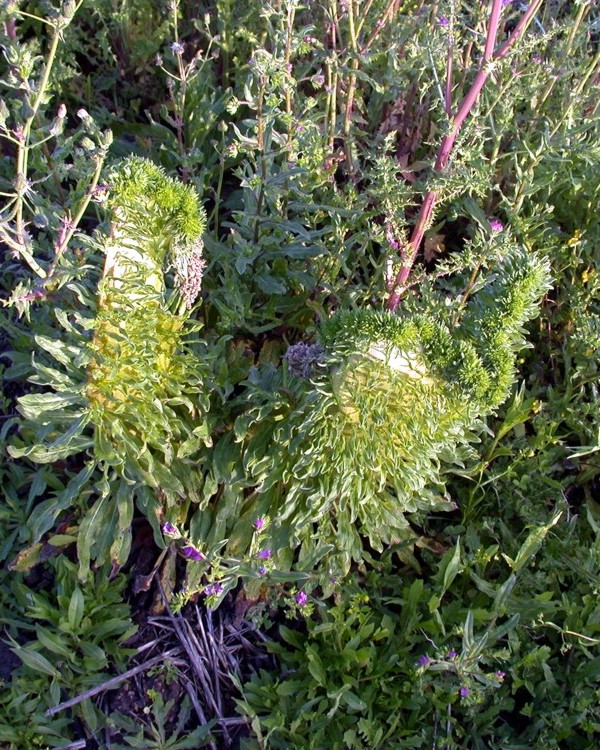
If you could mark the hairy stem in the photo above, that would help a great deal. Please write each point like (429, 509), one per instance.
(409, 252)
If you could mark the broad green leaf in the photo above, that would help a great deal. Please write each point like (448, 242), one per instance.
(36, 661)
(315, 666)
(52, 641)
(76, 607)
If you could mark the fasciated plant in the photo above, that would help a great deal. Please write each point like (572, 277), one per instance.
(125, 392)
(357, 437)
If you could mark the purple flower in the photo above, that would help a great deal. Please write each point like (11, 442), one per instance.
(177, 48)
(264, 554)
(443, 21)
(452, 654)
(319, 79)
(500, 675)
(423, 660)
(464, 692)
(259, 523)
(301, 598)
(169, 530)
(192, 553)
(302, 359)
(214, 588)
(262, 571)
(496, 225)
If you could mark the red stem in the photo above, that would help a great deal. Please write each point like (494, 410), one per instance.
(409, 253)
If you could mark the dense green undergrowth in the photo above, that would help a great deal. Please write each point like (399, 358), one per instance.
(300, 311)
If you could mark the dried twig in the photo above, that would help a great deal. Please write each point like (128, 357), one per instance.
(113, 682)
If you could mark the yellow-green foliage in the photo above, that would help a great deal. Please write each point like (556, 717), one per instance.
(143, 386)
(392, 401)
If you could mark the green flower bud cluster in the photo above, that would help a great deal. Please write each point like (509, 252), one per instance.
(143, 195)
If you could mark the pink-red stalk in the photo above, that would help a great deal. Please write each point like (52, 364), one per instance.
(409, 252)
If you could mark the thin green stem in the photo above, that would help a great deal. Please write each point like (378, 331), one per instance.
(24, 142)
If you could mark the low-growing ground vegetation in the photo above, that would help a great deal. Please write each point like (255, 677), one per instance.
(299, 347)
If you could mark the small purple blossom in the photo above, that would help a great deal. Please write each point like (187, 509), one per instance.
(319, 79)
(259, 523)
(169, 529)
(423, 660)
(302, 358)
(262, 571)
(464, 692)
(213, 589)
(496, 225)
(443, 21)
(177, 48)
(452, 654)
(500, 675)
(192, 553)
(301, 599)
(264, 554)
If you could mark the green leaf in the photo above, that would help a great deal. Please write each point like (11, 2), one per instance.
(532, 544)
(36, 661)
(503, 593)
(76, 607)
(453, 568)
(53, 642)
(315, 666)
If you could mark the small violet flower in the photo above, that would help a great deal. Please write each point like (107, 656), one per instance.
(443, 21)
(177, 48)
(301, 599)
(264, 554)
(496, 225)
(214, 588)
(423, 660)
(262, 571)
(452, 654)
(500, 675)
(169, 530)
(192, 553)
(259, 523)
(319, 79)
(464, 692)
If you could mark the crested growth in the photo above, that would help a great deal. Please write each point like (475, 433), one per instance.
(390, 401)
(132, 393)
